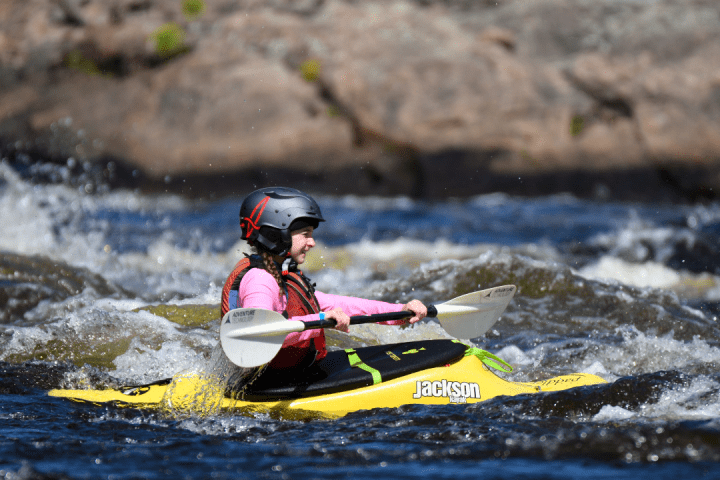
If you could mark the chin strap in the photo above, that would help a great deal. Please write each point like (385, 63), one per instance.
(287, 265)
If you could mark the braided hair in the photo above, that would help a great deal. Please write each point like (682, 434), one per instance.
(271, 268)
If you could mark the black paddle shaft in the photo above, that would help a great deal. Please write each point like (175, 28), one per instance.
(375, 318)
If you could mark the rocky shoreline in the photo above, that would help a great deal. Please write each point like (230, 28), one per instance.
(429, 98)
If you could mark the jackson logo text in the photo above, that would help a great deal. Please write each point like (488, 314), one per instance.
(456, 392)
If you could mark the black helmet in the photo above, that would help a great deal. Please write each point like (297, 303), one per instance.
(268, 215)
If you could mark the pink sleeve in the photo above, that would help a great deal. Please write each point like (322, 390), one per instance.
(358, 306)
(258, 289)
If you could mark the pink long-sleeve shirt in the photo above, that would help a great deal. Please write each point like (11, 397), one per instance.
(258, 289)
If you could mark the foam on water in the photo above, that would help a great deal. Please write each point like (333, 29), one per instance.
(373, 334)
(646, 274)
(697, 400)
(635, 353)
(516, 357)
(141, 364)
(611, 413)
(700, 400)
(133, 345)
(49, 220)
(31, 228)
(368, 251)
(653, 275)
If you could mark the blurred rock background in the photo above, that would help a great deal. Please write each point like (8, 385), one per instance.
(428, 98)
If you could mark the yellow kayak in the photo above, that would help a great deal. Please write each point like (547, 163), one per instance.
(465, 380)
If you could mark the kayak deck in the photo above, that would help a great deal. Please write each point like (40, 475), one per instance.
(468, 380)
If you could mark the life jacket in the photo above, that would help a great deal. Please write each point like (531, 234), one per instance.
(300, 301)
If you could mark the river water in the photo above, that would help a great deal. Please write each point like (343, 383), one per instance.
(92, 284)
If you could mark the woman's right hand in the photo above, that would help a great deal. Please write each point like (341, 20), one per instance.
(342, 320)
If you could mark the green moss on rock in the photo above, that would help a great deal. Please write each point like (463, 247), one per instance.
(534, 282)
(186, 315)
(101, 355)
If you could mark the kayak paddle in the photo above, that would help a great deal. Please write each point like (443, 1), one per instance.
(251, 337)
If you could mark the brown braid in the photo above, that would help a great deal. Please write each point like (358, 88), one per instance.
(271, 267)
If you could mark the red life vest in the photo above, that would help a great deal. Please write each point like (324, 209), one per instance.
(301, 301)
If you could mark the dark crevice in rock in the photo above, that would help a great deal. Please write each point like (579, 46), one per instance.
(303, 8)
(156, 61)
(463, 5)
(88, 59)
(618, 106)
(604, 99)
(139, 6)
(606, 107)
(68, 12)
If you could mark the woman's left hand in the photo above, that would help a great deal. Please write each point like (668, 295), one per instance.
(416, 307)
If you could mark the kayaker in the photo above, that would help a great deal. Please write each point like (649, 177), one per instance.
(279, 224)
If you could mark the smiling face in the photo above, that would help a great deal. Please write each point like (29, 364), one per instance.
(302, 241)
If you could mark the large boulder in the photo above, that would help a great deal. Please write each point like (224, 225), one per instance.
(417, 97)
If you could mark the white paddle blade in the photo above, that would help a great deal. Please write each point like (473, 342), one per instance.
(471, 315)
(249, 336)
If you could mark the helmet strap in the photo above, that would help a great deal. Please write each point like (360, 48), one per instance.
(286, 266)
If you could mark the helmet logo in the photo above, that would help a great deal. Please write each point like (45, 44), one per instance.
(251, 221)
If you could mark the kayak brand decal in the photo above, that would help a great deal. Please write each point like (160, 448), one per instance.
(563, 380)
(456, 392)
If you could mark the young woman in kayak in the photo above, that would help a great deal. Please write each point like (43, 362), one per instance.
(279, 224)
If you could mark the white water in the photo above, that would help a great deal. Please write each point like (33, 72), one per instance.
(160, 249)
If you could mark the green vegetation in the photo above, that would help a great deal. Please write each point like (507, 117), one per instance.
(76, 61)
(310, 70)
(576, 125)
(193, 9)
(169, 40)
